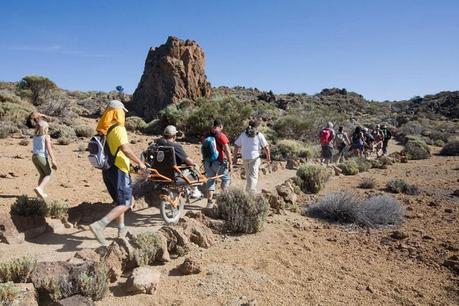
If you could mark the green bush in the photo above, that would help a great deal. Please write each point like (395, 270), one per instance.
(288, 148)
(416, 148)
(367, 183)
(243, 212)
(292, 126)
(146, 245)
(349, 167)
(38, 88)
(84, 131)
(363, 164)
(95, 283)
(450, 149)
(134, 123)
(5, 129)
(17, 270)
(312, 178)
(401, 186)
(153, 127)
(57, 130)
(16, 113)
(25, 206)
(8, 293)
(57, 209)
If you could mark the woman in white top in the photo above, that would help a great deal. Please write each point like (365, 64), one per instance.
(42, 151)
(250, 142)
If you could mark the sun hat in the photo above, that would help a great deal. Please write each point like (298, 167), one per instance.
(170, 130)
(117, 104)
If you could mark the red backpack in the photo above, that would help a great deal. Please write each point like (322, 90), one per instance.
(325, 136)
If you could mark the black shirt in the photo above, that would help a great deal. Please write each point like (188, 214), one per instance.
(180, 155)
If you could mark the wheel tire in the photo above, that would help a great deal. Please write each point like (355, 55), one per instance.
(170, 214)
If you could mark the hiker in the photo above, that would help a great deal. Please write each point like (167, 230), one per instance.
(378, 136)
(341, 142)
(169, 139)
(36, 117)
(358, 142)
(113, 114)
(217, 159)
(387, 135)
(249, 143)
(117, 178)
(42, 155)
(327, 134)
(368, 141)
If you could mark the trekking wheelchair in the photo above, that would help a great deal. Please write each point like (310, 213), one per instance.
(173, 182)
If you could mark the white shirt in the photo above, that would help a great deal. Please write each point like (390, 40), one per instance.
(250, 146)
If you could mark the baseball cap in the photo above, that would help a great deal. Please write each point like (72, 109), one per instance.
(117, 104)
(170, 130)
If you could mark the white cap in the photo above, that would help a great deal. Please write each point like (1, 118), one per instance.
(170, 130)
(117, 104)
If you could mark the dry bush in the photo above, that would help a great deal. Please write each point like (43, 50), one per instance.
(6, 128)
(146, 245)
(15, 112)
(312, 178)
(381, 210)
(64, 141)
(401, 186)
(363, 165)
(349, 167)
(242, 211)
(8, 293)
(57, 130)
(416, 148)
(134, 123)
(24, 142)
(57, 209)
(450, 149)
(84, 131)
(341, 207)
(367, 183)
(95, 283)
(17, 270)
(289, 148)
(25, 206)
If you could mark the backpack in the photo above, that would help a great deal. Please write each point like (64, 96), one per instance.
(325, 136)
(386, 134)
(209, 148)
(99, 152)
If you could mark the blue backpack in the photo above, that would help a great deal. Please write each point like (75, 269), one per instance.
(209, 149)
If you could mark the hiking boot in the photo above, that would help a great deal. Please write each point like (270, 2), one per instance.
(122, 232)
(210, 204)
(98, 231)
(196, 194)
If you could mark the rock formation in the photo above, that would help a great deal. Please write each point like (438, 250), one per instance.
(172, 72)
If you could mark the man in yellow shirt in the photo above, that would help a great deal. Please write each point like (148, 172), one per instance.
(117, 178)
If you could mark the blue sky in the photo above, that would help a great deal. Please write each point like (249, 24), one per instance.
(383, 49)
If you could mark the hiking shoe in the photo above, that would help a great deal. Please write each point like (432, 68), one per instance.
(210, 204)
(98, 231)
(122, 232)
(196, 194)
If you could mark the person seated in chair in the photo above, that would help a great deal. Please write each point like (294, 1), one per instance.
(181, 158)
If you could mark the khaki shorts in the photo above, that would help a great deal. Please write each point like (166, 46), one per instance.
(42, 164)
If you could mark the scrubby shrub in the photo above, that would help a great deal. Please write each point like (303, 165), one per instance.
(367, 183)
(95, 283)
(84, 131)
(416, 148)
(339, 207)
(293, 126)
(57, 130)
(451, 148)
(64, 141)
(288, 148)
(8, 293)
(153, 127)
(312, 178)
(25, 206)
(349, 167)
(146, 245)
(16, 113)
(37, 87)
(243, 212)
(401, 186)
(5, 130)
(24, 142)
(57, 209)
(135, 124)
(17, 270)
(363, 164)
(381, 210)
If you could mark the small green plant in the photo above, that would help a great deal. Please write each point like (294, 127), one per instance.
(367, 183)
(363, 165)
(8, 293)
(401, 186)
(349, 167)
(243, 212)
(94, 284)
(312, 178)
(146, 245)
(288, 148)
(416, 148)
(57, 209)
(134, 123)
(25, 206)
(84, 131)
(17, 270)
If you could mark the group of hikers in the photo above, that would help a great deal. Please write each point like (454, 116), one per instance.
(217, 158)
(362, 143)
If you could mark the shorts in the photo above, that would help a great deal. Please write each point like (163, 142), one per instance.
(341, 148)
(327, 152)
(215, 168)
(42, 164)
(119, 185)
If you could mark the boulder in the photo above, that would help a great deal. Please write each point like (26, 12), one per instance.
(287, 192)
(189, 266)
(75, 300)
(197, 232)
(117, 256)
(143, 280)
(8, 232)
(88, 255)
(275, 201)
(173, 71)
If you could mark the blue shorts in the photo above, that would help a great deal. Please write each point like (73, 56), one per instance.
(119, 185)
(215, 168)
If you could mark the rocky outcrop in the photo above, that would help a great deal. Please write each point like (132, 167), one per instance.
(173, 71)
(143, 280)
